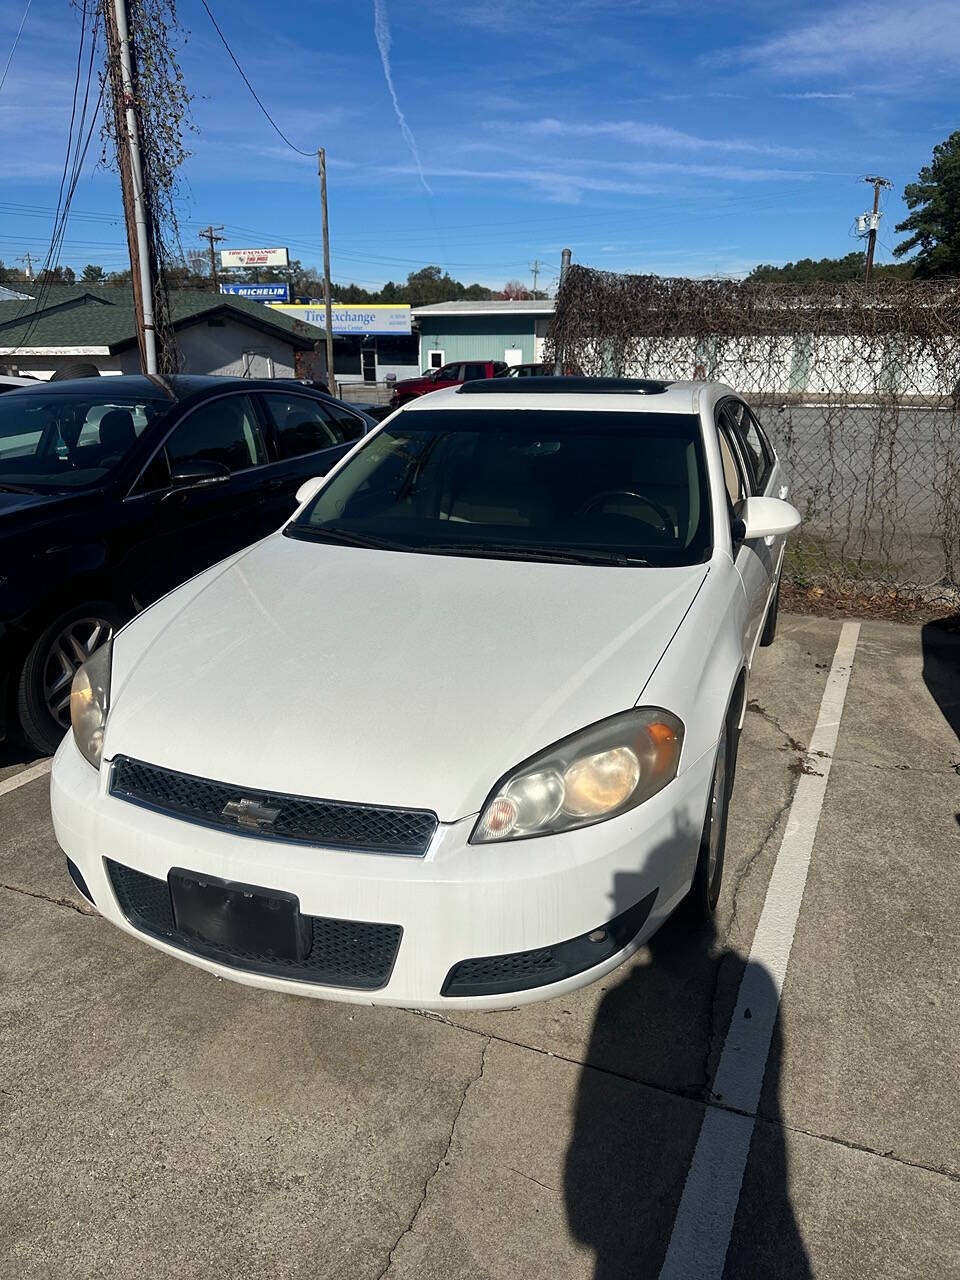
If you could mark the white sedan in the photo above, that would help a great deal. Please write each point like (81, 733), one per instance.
(461, 733)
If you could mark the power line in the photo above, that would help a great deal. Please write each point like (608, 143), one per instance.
(276, 128)
(16, 41)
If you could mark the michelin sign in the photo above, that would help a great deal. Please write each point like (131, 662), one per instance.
(364, 319)
(259, 292)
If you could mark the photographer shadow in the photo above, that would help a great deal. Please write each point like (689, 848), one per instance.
(663, 1024)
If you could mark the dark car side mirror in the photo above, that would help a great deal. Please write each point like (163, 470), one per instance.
(198, 475)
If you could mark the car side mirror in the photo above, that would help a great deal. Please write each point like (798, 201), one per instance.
(201, 474)
(765, 518)
(308, 489)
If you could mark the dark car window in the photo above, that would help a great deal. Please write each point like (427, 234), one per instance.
(450, 373)
(602, 487)
(66, 441)
(473, 371)
(302, 425)
(351, 425)
(223, 430)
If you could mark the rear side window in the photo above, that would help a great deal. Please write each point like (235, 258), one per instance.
(351, 427)
(225, 430)
(475, 371)
(754, 446)
(302, 425)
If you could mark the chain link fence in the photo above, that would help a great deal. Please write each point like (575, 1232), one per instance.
(859, 387)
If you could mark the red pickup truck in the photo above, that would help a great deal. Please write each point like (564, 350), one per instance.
(448, 376)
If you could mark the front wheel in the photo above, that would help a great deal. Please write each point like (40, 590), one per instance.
(43, 691)
(700, 904)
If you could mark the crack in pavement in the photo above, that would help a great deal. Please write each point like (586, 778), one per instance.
(80, 908)
(679, 1093)
(440, 1163)
(747, 866)
(940, 1170)
(529, 1177)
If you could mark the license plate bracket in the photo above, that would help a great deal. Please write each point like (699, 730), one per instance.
(239, 917)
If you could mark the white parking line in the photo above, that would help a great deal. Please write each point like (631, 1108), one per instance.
(704, 1221)
(26, 775)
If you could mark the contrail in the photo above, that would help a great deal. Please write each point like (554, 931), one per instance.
(381, 29)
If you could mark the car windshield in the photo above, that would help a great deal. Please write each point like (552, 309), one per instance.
(569, 486)
(51, 442)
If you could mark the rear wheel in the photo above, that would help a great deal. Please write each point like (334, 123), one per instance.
(700, 904)
(43, 691)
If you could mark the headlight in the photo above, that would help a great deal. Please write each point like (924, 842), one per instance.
(89, 703)
(593, 775)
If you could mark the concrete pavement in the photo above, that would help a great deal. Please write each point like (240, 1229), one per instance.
(154, 1120)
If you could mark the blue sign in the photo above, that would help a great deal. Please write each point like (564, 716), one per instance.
(259, 292)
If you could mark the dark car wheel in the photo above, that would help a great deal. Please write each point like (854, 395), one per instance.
(699, 905)
(43, 691)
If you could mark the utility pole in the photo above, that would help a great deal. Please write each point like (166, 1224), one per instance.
(565, 258)
(535, 267)
(322, 170)
(29, 271)
(874, 222)
(210, 233)
(131, 178)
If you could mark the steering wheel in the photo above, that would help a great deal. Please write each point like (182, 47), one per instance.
(600, 499)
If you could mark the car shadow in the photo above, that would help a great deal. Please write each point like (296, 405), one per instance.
(653, 1051)
(940, 645)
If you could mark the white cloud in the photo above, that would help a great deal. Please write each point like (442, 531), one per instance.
(898, 35)
(652, 135)
(812, 97)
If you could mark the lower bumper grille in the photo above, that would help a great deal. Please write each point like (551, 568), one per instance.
(522, 970)
(343, 953)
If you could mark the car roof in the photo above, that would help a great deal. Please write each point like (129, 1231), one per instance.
(177, 386)
(625, 394)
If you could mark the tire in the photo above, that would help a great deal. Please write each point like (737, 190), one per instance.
(699, 906)
(769, 633)
(48, 669)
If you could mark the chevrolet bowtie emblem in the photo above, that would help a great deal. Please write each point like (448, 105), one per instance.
(250, 813)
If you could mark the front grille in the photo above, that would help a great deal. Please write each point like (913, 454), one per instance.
(299, 818)
(343, 953)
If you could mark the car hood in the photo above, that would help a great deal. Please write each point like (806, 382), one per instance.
(384, 677)
(20, 509)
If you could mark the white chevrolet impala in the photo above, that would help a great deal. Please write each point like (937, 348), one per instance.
(462, 732)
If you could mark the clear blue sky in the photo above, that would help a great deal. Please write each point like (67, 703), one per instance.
(678, 137)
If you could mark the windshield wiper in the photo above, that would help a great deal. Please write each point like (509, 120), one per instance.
(525, 551)
(347, 537)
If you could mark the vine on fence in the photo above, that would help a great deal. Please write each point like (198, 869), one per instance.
(858, 386)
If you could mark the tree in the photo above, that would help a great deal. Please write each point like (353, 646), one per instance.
(57, 275)
(832, 270)
(934, 219)
(515, 291)
(92, 274)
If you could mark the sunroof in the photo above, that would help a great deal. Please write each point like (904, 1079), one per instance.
(562, 386)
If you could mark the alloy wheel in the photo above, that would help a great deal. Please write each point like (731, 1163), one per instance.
(69, 649)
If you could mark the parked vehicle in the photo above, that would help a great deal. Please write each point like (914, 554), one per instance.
(540, 371)
(115, 490)
(450, 375)
(463, 733)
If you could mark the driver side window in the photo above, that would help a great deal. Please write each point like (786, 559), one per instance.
(224, 430)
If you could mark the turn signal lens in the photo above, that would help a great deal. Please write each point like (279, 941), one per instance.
(596, 774)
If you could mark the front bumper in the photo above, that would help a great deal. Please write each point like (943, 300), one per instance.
(459, 902)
